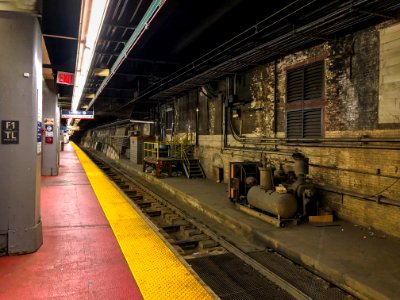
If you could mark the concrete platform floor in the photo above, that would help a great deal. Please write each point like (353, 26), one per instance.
(361, 261)
(80, 257)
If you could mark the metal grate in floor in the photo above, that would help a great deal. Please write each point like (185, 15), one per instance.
(230, 278)
(308, 283)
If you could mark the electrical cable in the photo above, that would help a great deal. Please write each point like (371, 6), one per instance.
(384, 190)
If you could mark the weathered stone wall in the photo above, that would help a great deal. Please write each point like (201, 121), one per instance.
(352, 77)
(351, 106)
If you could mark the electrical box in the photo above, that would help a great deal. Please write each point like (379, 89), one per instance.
(236, 113)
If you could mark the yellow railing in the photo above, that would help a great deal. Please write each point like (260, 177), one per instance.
(151, 149)
(155, 149)
(186, 161)
(167, 149)
(175, 149)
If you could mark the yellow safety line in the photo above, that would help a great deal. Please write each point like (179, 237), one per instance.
(157, 271)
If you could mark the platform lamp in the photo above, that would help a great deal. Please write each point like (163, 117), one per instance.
(92, 16)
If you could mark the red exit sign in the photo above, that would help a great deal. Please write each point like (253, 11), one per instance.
(65, 78)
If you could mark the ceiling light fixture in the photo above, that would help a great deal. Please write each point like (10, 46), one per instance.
(92, 16)
(143, 25)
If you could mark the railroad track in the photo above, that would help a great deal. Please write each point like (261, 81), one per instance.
(226, 269)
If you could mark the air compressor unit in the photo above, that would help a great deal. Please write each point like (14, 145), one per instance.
(274, 196)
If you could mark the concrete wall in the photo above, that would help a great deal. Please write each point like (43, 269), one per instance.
(20, 100)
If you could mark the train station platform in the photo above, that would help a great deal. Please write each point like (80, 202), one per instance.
(361, 261)
(95, 245)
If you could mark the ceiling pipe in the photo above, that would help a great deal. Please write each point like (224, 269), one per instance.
(280, 39)
(143, 25)
(123, 122)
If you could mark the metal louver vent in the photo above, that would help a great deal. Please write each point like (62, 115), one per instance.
(305, 83)
(295, 82)
(312, 123)
(304, 123)
(304, 87)
(295, 124)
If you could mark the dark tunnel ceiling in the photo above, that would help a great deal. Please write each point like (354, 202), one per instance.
(190, 43)
(60, 26)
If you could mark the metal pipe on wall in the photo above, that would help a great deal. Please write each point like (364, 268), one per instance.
(275, 97)
(378, 199)
(197, 117)
(375, 198)
(306, 142)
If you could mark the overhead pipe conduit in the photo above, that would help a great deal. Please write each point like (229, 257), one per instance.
(272, 46)
(374, 198)
(378, 198)
(248, 33)
(311, 142)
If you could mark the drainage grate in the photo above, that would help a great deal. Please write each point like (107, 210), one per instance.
(315, 287)
(230, 278)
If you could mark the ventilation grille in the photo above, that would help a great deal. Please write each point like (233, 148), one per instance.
(295, 124)
(304, 123)
(305, 83)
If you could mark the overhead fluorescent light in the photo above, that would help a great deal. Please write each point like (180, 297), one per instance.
(101, 72)
(143, 25)
(141, 121)
(90, 96)
(87, 44)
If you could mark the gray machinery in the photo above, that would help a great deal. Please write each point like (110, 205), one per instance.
(292, 200)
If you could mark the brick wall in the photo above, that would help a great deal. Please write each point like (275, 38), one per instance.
(354, 170)
(351, 109)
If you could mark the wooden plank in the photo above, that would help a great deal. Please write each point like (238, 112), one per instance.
(321, 219)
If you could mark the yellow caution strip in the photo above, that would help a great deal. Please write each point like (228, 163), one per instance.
(157, 271)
